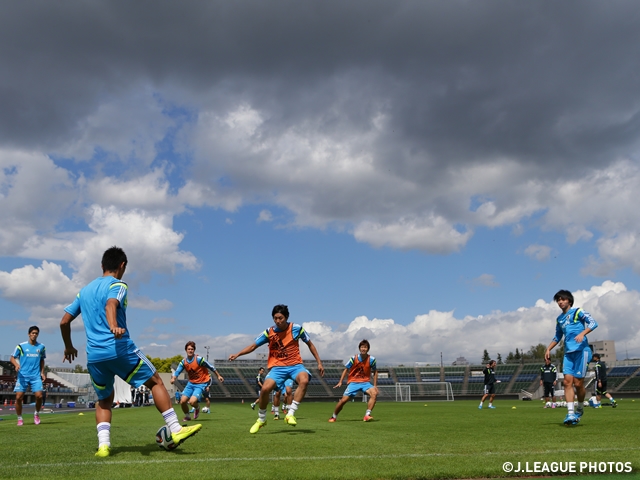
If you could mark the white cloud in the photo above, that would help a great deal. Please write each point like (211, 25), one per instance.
(30, 286)
(485, 280)
(265, 216)
(422, 340)
(538, 252)
(434, 235)
(145, 303)
(127, 127)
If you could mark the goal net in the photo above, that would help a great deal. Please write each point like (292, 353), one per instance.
(403, 392)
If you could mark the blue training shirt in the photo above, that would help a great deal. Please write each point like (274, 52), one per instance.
(91, 303)
(571, 324)
(29, 357)
(297, 332)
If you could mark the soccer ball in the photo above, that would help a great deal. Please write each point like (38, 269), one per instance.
(164, 439)
(205, 410)
(547, 405)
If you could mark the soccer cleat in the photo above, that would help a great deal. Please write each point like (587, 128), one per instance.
(104, 450)
(332, 420)
(480, 407)
(571, 419)
(20, 422)
(253, 406)
(491, 406)
(367, 418)
(184, 433)
(187, 418)
(196, 413)
(36, 419)
(579, 413)
(257, 426)
(276, 416)
(614, 404)
(291, 420)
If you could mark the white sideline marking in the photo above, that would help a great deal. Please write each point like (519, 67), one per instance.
(323, 458)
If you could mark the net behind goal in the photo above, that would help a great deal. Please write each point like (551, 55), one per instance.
(403, 392)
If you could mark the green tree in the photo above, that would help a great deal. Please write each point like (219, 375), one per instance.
(163, 365)
(80, 369)
(485, 356)
(499, 359)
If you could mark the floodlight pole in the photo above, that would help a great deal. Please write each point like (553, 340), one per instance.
(207, 349)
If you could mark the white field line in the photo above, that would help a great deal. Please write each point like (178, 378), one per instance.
(307, 459)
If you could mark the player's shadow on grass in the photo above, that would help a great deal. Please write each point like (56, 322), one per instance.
(297, 431)
(147, 450)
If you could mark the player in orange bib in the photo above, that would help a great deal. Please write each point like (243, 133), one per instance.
(197, 369)
(284, 362)
(360, 368)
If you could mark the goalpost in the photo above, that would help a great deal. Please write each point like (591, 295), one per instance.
(403, 392)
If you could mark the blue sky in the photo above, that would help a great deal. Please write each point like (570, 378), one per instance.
(425, 187)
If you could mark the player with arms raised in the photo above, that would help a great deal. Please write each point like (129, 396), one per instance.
(197, 369)
(284, 362)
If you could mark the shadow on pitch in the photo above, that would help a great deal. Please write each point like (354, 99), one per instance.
(147, 450)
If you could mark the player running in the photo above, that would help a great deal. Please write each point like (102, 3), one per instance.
(197, 369)
(284, 362)
(574, 324)
(28, 360)
(600, 369)
(110, 350)
(360, 367)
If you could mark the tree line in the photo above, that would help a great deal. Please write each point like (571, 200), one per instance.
(535, 353)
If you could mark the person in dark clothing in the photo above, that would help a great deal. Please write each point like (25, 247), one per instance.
(548, 378)
(259, 382)
(489, 383)
(601, 380)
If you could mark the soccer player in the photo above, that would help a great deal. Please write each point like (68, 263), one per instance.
(284, 362)
(199, 378)
(206, 395)
(548, 379)
(259, 382)
(489, 384)
(110, 350)
(574, 324)
(601, 380)
(28, 360)
(359, 367)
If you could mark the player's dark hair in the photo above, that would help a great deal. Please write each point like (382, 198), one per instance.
(596, 355)
(283, 309)
(565, 295)
(113, 258)
(260, 369)
(190, 343)
(364, 342)
(31, 329)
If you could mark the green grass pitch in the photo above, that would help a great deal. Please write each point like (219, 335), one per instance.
(406, 440)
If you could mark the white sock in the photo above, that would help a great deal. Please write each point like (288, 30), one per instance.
(294, 406)
(262, 414)
(570, 407)
(368, 412)
(171, 419)
(104, 434)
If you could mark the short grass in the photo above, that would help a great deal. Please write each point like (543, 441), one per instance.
(406, 440)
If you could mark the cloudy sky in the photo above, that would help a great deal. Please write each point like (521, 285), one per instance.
(423, 174)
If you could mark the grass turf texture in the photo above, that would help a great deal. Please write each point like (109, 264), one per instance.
(406, 440)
